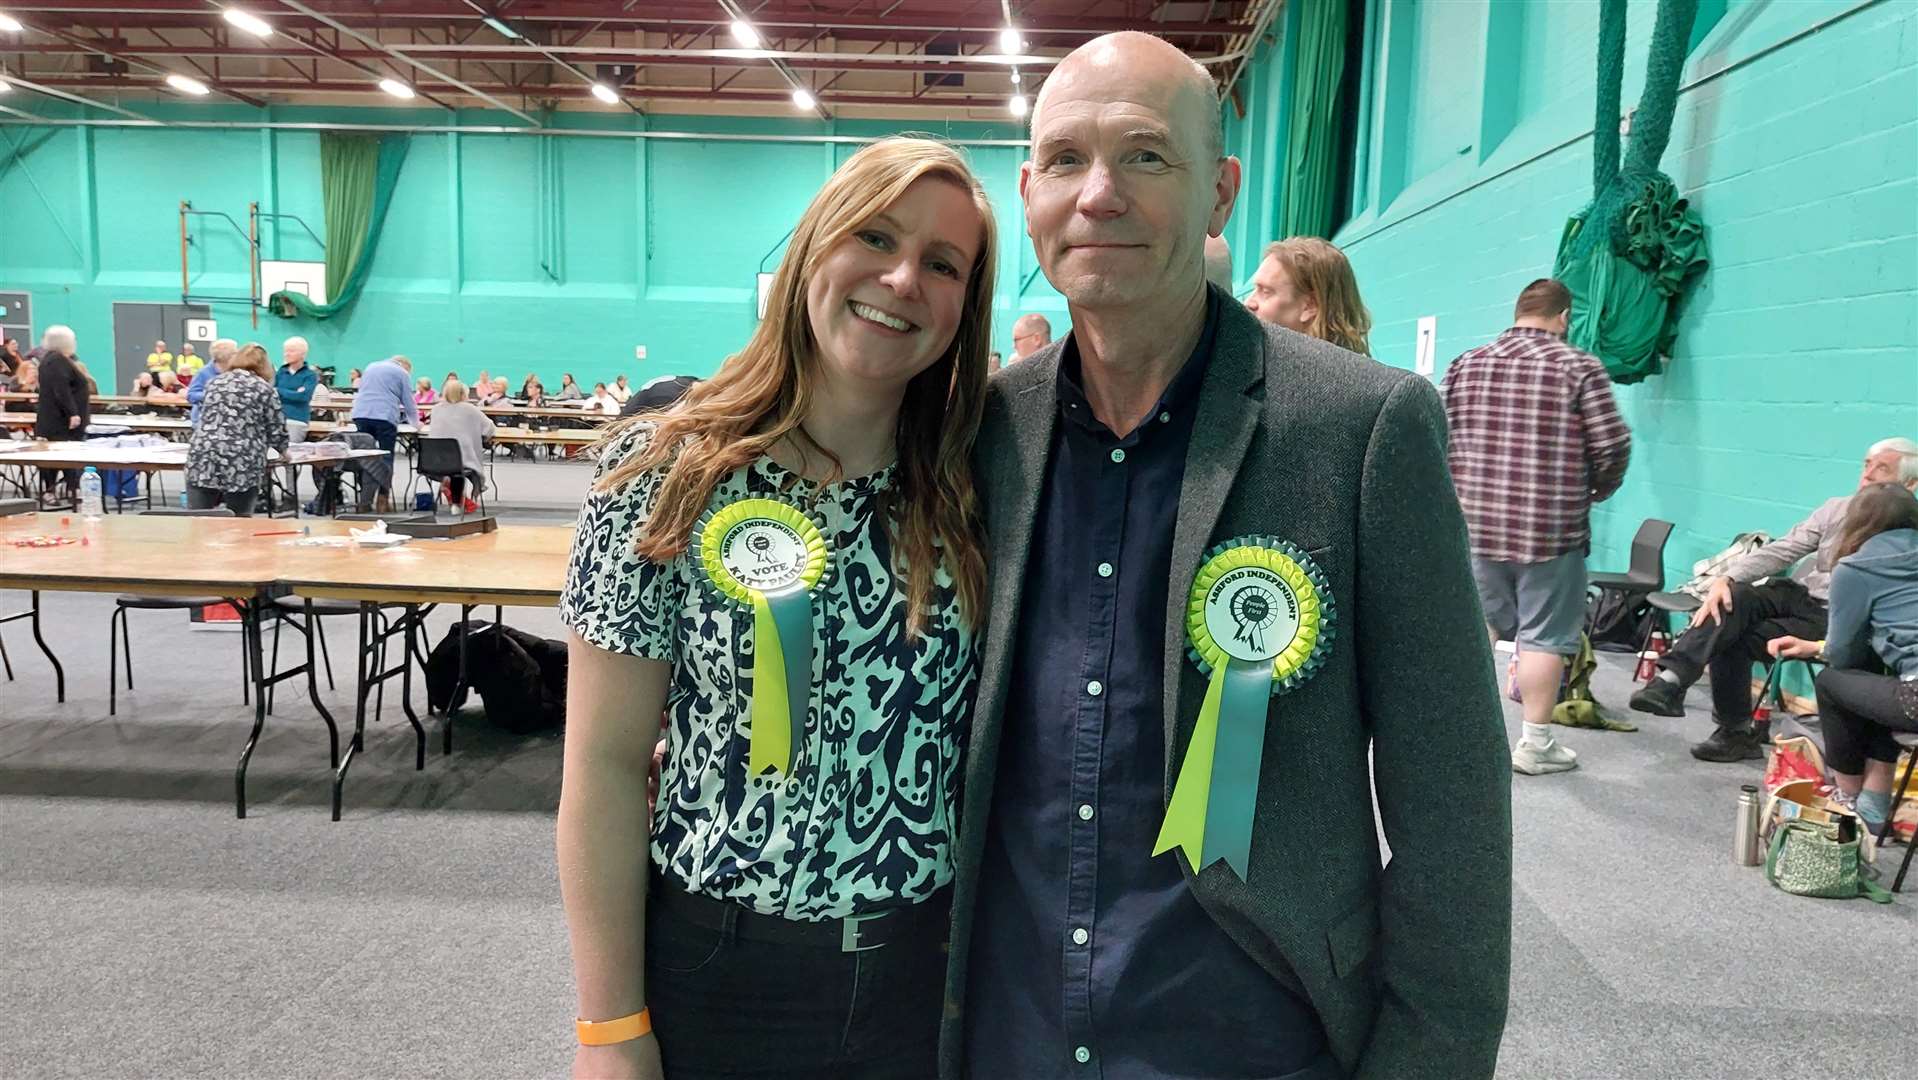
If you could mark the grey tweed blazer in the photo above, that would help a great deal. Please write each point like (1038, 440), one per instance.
(1406, 962)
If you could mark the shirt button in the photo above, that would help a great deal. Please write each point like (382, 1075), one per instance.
(1082, 1055)
(1105, 569)
(1085, 811)
(1165, 418)
(1080, 937)
(1118, 457)
(1095, 688)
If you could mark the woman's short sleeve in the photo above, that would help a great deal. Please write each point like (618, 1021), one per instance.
(614, 598)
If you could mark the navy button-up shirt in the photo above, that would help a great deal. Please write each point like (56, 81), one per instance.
(1091, 957)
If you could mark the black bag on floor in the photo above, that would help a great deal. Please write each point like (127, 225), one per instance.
(521, 678)
(1616, 621)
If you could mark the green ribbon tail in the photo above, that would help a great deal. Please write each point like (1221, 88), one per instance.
(1246, 696)
(1184, 825)
(792, 613)
(771, 710)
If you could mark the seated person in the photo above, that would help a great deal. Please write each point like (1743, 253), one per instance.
(602, 401)
(142, 385)
(167, 384)
(1738, 619)
(159, 359)
(533, 394)
(1874, 622)
(26, 380)
(423, 391)
(490, 392)
(458, 418)
(188, 363)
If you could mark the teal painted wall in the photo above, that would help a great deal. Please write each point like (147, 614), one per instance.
(484, 261)
(1801, 347)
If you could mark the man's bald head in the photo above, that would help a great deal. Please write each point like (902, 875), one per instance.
(1030, 333)
(1126, 176)
(1132, 56)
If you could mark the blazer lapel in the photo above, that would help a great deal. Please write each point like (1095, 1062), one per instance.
(1229, 411)
(1015, 471)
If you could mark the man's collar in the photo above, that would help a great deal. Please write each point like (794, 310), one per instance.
(1180, 393)
(1531, 331)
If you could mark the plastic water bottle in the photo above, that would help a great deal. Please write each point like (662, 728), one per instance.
(92, 503)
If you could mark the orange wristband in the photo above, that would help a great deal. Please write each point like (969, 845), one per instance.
(608, 1032)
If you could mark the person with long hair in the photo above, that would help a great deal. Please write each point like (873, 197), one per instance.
(788, 565)
(568, 389)
(1306, 284)
(1873, 622)
(239, 421)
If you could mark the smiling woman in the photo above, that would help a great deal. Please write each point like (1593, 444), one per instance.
(787, 564)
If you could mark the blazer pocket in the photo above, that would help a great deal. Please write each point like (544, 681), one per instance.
(1352, 938)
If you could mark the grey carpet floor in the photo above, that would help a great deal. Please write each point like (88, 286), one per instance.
(144, 932)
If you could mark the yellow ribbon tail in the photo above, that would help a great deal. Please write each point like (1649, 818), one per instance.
(1185, 815)
(772, 744)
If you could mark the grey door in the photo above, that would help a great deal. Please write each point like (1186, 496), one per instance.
(16, 319)
(136, 327)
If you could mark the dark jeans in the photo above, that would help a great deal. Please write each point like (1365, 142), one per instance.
(726, 1006)
(206, 498)
(1858, 711)
(1729, 647)
(67, 478)
(384, 434)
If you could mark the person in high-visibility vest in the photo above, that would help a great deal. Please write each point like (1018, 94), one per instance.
(159, 359)
(188, 363)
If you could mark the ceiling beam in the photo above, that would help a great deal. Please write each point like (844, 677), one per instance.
(649, 13)
(665, 93)
(440, 75)
(99, 48)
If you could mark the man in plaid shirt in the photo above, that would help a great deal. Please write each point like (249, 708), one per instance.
(1536, 440)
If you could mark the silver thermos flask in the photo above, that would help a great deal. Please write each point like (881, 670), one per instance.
(1745, 833)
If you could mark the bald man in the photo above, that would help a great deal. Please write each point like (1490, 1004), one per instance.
(1030, 333)
(295, 383)
(1169, 867)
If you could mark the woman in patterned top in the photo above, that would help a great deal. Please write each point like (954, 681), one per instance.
(787, 919)
(239, 418)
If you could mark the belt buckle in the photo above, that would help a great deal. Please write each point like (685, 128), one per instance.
(849, 933)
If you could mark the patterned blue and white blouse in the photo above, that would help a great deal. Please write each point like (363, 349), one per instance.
(240, 421)
(865, 821)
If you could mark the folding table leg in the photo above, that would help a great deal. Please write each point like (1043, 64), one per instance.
(59, 673)
(256, 656)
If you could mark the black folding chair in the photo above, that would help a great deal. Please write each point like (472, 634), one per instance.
(440, 460)
(126, 602)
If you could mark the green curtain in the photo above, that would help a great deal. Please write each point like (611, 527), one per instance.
(1632, 255)
(357, 177)
(1311, 144)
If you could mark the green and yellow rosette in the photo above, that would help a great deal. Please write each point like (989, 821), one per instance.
(769, 556)
(1259, 621)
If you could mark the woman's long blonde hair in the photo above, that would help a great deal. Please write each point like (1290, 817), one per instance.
(761, 393)
(1322, 272)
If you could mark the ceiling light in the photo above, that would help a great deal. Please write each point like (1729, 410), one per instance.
(744, 33)
(5, 86)
(396, 88)
(248, 22)
(8, 23)
(1009, 42)
(187, 86)
(606, 93)
(504, 30)
(804, 99)
(1017, 105)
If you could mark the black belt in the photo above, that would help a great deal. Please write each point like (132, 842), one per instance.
(852, 934)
